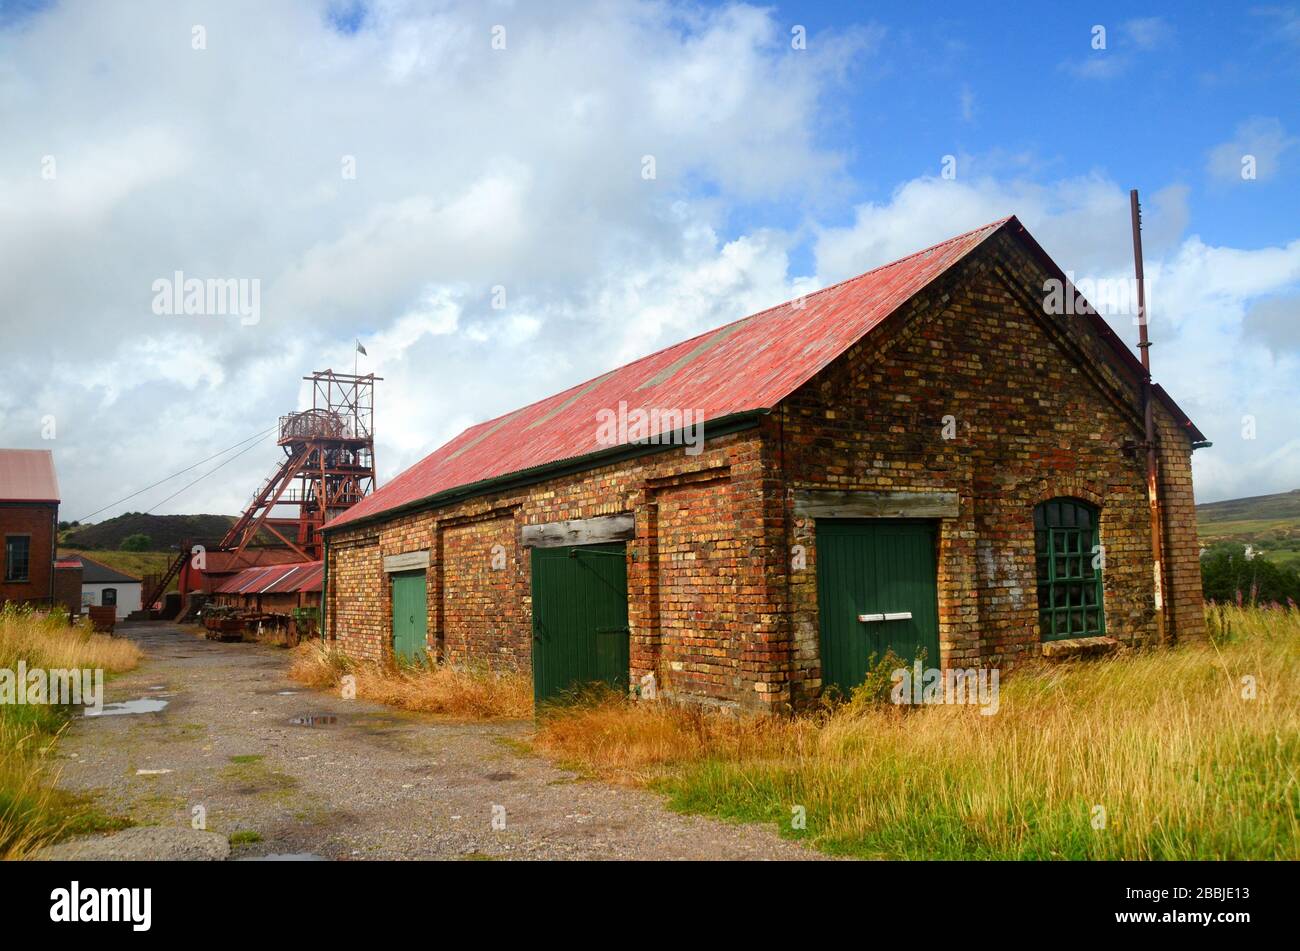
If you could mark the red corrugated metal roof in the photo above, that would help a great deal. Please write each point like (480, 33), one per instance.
(273, 579)
(27, 475)
(746, 366)
(304, 577)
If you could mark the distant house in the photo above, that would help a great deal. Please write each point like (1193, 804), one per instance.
(103, 586)
(29, 517)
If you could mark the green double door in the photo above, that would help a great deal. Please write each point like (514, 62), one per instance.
(410, 616)
(580, 629)
(877, 590)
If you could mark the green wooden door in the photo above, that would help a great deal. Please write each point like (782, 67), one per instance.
(580, 630)
(875, 568)
(410, 615)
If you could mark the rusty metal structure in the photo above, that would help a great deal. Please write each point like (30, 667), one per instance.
(328, 466)
(1148, 414)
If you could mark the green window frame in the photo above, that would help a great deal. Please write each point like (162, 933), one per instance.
(1066, 553)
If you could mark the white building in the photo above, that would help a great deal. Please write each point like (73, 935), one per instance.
(102, 585)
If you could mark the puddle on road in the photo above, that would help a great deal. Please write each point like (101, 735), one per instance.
(285, 857)
(315, 719)
(143, 705)
(286, 693)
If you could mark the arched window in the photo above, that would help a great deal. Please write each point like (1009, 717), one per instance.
(1066, 540)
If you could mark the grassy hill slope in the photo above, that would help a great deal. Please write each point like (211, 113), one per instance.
(1270, 523)
(166, 532)
(135, 563)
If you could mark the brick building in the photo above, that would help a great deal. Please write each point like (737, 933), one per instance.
(29, 517)
(926, 458)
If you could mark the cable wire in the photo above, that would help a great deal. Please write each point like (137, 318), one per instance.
(201, 478)
(175, 474)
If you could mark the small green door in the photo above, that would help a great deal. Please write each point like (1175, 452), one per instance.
(875, 568)
(410, 614)
(580, 630)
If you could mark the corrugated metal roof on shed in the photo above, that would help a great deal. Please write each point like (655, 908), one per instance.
(746, 366)
(274, 579)
(27, 475)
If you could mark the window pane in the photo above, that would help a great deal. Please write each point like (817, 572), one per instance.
(17, 557)
(1069, 584)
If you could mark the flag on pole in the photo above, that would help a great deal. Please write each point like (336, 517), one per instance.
(361, 350)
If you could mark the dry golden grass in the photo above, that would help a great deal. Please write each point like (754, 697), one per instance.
(468, 693)
(52, 643)
(271, 637)
(634, 743)
(31, 811)
(1167, 742)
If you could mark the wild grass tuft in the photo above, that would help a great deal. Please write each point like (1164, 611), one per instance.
(32, 812)
(1188, 753)
(463, 692)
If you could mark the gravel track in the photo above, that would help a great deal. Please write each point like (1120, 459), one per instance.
(375, 783)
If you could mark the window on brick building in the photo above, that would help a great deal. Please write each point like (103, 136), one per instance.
(1069, 566)
(17, 557)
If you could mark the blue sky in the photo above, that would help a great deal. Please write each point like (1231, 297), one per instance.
(148, 137)
(1018, 89)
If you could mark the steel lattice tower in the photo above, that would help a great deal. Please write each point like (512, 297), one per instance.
(329, 466)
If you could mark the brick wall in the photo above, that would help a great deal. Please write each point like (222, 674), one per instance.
(698, 610)
(67, 589)
(483, 592)
(1185, 604)
(37, 521)
(1038, 413)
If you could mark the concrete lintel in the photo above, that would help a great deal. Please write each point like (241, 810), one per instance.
(407, 561)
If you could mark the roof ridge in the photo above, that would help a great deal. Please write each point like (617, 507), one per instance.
(850, 280)
(739, 320)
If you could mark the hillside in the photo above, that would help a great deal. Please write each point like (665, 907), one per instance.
(1269, 523)
(136, 563)
(165, 532)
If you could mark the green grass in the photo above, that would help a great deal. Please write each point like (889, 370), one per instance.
(134, 563)
(250, 775)
(1183, 764)
(32, 812)
(1269, 523)
(244, 837)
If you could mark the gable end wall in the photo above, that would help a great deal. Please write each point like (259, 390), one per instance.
(1039, 412)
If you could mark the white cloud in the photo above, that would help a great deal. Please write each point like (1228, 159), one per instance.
(967, 104)
(1147, 33)
(478, 168)
(1124, 46)
(474, 168)
(1262, 138)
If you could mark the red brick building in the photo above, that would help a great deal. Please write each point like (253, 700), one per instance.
(927, 458)
(29, 517)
